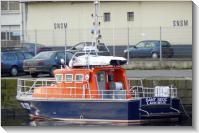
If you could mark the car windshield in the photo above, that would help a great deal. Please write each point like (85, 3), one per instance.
(140, 45)
(89, 45)
(28, 55)
(165, 44)
(44, 55)
(70, 55)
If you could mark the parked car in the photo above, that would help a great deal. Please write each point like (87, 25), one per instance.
(86, 46)
(45, 62)
(12, 61)
(150, 48)
(31, 47)
(14, 49)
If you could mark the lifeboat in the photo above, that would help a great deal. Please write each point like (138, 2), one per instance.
(95, 89)
(96, 93)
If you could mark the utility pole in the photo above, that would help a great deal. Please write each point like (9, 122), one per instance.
(65, 48)
(160, 43)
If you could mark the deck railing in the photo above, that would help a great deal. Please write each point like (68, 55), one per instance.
(158, 91)
(25, 89)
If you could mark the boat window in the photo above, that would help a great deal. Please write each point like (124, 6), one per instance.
(69, 78)
(100, 77)
(59, 77)
(79, 77)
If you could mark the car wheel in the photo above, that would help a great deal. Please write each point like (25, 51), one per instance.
(51, 71)
(154, 55)
(34, 75)
(14, 71)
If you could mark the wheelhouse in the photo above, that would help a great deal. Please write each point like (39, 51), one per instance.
(96, 83)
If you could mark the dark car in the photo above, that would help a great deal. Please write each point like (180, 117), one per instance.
(87, 46)
(46, 62)
(150, 48)
(35, 48)
(22, 49)
(12, 61)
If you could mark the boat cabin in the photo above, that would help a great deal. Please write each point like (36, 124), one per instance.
(107, 82)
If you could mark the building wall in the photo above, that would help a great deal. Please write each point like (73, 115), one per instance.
(9, 20)
(46, 21)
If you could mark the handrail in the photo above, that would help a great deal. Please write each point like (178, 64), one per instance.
(25, 89)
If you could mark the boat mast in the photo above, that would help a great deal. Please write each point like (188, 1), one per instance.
(95, 31)
(96, 24)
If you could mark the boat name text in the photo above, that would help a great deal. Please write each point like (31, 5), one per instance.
(154, 100)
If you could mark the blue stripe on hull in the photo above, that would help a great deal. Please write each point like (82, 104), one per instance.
(102, 110)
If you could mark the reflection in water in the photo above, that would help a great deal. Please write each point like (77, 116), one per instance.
(25, 121)
(72, 123)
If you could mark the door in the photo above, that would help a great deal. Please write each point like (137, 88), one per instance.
(8, 60)
(58, 57)
(101, 81)
(20, 59)
(138, 50)
(148, 49)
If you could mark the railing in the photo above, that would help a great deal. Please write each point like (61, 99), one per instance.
(159, 91)
(25, 89)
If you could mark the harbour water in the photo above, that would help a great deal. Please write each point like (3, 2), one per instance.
(25, 121)
(13, 115)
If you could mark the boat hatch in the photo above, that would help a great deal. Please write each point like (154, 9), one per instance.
(108, 86)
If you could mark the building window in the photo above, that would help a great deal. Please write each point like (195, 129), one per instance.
(3, 36)
(7, 36)
(13, 5)
(10, 5)
(4, 5)
(130, 16)
(107, 17)
(14, 36)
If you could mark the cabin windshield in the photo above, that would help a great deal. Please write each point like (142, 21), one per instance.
(78, 77)
(59, 77)
(68, 77)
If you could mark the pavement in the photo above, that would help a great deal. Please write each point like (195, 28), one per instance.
(144, 74)
(171, 74)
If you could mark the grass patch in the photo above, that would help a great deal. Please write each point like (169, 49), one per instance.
(8, 93)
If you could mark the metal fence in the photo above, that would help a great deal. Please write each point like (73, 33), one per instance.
(117, 39)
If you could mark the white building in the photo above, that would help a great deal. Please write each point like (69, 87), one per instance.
(129, 21)
(10, 22)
